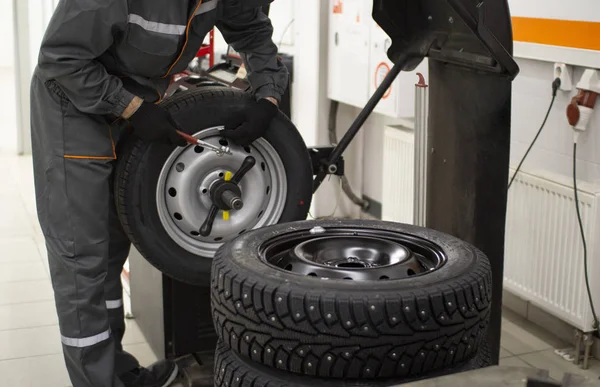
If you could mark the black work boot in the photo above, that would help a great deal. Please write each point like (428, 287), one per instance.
(160, 374)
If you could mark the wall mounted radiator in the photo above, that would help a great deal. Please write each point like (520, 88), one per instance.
(544, 254)
(398, 174)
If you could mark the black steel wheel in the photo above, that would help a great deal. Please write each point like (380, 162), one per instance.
(351, 299)
(232, 370)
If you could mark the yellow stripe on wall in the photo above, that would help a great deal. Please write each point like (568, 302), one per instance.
(563, 33)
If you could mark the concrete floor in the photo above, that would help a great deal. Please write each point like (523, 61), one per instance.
(30, 349)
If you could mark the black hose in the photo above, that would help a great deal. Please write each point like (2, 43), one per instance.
(555, 86)
(333, 112)
(583, 241)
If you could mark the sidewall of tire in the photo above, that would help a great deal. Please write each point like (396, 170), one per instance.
(243, 252)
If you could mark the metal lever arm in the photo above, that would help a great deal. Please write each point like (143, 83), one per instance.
(247, 165)
(207, 226)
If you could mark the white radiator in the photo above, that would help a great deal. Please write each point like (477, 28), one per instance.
(544, 254)
(398, 174)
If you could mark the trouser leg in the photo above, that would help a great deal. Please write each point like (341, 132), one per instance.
(119, 247)
(73, 155)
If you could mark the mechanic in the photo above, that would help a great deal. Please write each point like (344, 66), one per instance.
(103, 66)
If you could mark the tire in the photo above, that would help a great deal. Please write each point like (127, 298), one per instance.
(140, 164)
(351, 329)
(231, 370)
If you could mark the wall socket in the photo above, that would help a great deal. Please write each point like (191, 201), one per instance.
(565, 73)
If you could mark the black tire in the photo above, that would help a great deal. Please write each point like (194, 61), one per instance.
(140, 164)
(231, 370)
(311, 326)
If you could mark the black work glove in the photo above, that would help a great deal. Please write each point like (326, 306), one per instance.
(251, 123)
(153, 123)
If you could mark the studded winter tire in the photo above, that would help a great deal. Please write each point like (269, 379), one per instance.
(351, 299)
(232, 370)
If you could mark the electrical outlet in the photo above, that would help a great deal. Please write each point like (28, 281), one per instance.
(565, 73)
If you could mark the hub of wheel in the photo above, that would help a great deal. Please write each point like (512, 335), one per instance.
(196, 184)
(226, 195)
(365, 255)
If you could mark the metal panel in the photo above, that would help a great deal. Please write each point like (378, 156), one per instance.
(174, 317)
(349, 34)
(145, 283)
(469, 140)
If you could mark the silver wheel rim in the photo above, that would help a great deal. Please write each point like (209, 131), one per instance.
(182, 192)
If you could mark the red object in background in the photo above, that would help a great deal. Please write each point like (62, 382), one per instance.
(208, 49)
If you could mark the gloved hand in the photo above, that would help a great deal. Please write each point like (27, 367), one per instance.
(153, 123)
(251, 124)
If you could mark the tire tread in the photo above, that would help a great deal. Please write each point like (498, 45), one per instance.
(334, 324)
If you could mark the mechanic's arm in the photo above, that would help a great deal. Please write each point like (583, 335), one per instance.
(79, 32)
(250, 33)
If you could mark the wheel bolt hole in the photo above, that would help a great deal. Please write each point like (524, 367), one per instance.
(247, 149)
(221, 174)
(289, 267)
(268, 190)
(198, 149)
(218, 239)
(177, 216)
(384, 277)
(180, 167)
(223, 142)
(204, 191)
(172, 192)
(410, 272)
(312, 274)
(352, 265)
(263, 166)
(348, 278)
(195, 233)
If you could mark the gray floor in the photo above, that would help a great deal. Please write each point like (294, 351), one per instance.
(30, 350)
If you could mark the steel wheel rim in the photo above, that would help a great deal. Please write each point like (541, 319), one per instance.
(182, 192)
(352, 254)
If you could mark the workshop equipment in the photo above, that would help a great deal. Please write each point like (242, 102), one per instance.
(219, 150)
(421, 151)
(470, 68)
(226, 195)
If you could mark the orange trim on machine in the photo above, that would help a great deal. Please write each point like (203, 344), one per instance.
(187, 36)
(554, 32)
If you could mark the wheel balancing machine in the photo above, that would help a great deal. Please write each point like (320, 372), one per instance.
(469, 46)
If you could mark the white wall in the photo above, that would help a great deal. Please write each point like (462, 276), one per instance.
(8, 128)
(6, 31)
(554, 149)
(531, 98)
